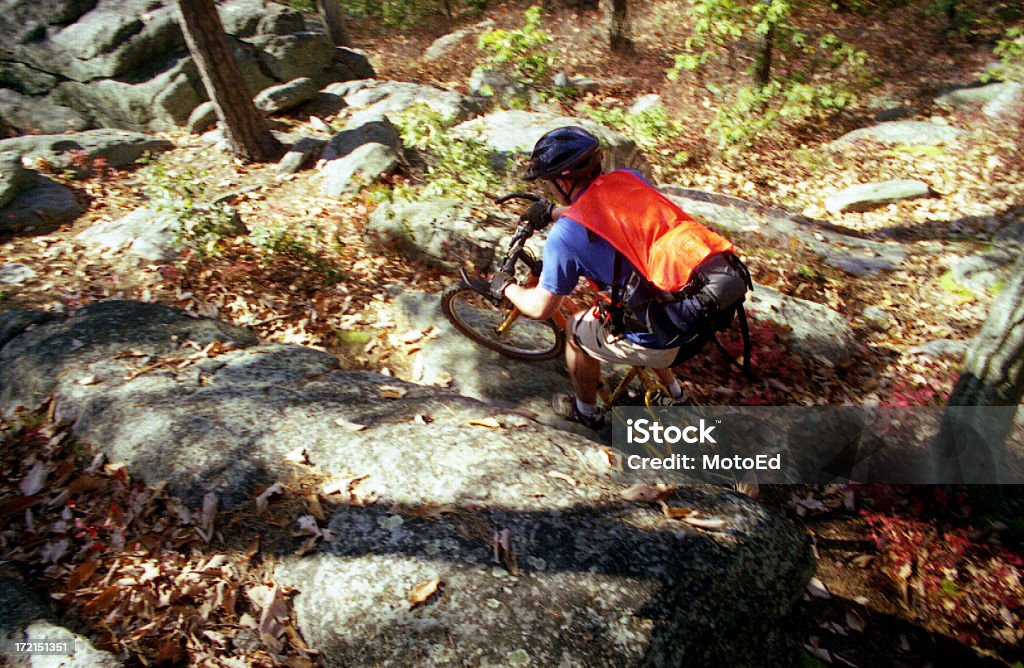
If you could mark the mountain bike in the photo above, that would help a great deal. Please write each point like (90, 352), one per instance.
(499, 326)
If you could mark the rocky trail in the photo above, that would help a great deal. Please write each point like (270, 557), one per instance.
(257, 352)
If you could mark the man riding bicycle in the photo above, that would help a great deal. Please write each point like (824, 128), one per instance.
(567, 161)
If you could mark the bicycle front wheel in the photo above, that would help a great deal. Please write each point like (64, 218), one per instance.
(477, 318)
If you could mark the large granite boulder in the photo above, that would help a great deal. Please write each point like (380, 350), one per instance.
(445, 357)
(815, 330)
(40, 115)
(123, 63)
(984, 271)
(438, 233)
(285, 96)
(13, 177)
(147, 234)
(159, 102)
(77, 149)
(536, 569)
(754, 223)
(867, 196)
(1002, 100)
(40, 204)
(366, 149)
(509, 134)
(369, 98)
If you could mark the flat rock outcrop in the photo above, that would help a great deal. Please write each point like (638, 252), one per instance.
(588, 578)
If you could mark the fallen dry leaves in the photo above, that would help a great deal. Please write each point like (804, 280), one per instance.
(658, 493)
(145, 573)
(423, 592)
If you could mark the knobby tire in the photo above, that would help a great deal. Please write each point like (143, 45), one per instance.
(477, 318)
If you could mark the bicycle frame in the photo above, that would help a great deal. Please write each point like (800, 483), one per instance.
(608, 397)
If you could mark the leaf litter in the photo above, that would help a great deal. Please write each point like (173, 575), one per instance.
(149, 576)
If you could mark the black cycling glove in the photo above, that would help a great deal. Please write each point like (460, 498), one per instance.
(538, 215)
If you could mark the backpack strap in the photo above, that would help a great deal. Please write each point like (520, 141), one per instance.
(614, 311)
(616, 288)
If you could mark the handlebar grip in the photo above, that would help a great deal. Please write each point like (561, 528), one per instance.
(527, 196)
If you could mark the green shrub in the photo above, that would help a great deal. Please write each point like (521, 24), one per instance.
(279, 238)
(1010, 51)
(812, 78)
(403, 14)
(650, 128)
(456, 167)
(961, 18)
(521, 52)
(176, 192)
(301, 5)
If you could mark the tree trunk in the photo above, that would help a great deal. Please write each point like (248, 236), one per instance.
(763, 46)
(970, 444)
(618, 25)
(333, 17)
(763, 65)
(248, 135)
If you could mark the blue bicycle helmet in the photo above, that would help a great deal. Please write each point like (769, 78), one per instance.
(568, 152)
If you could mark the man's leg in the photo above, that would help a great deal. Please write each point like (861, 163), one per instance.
(666, 376)
(584, 370)
(669, 380)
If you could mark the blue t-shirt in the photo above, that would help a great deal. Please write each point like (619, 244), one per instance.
(569, 253)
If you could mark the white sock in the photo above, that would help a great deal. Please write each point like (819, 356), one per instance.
(590, 410)
(675, 389)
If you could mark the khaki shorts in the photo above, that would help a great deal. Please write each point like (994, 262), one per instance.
(592, 335)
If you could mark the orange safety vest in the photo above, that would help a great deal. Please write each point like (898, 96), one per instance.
(655, 235)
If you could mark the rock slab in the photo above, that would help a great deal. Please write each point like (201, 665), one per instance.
(997, 100)
(815, 329)
(849, 252)
(116, 147)
(867, 196)
(908, 133)
(591, 579)
(151, 235)
(509, 134)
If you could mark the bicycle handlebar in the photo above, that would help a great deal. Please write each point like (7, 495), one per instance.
(527, 196)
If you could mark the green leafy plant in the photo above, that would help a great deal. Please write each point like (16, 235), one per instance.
(1010, 51)
(522, 52)
(301, 5)
(961, 18)
(176, 191)
(813, 77)
(649, 128)
(457, 167)
(279, 238)
(716, 24)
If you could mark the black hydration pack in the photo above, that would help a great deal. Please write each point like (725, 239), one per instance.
(689, 317)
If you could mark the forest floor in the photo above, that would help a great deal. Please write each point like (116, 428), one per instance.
(906, 576)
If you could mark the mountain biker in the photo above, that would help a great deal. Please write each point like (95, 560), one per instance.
(567, 160)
